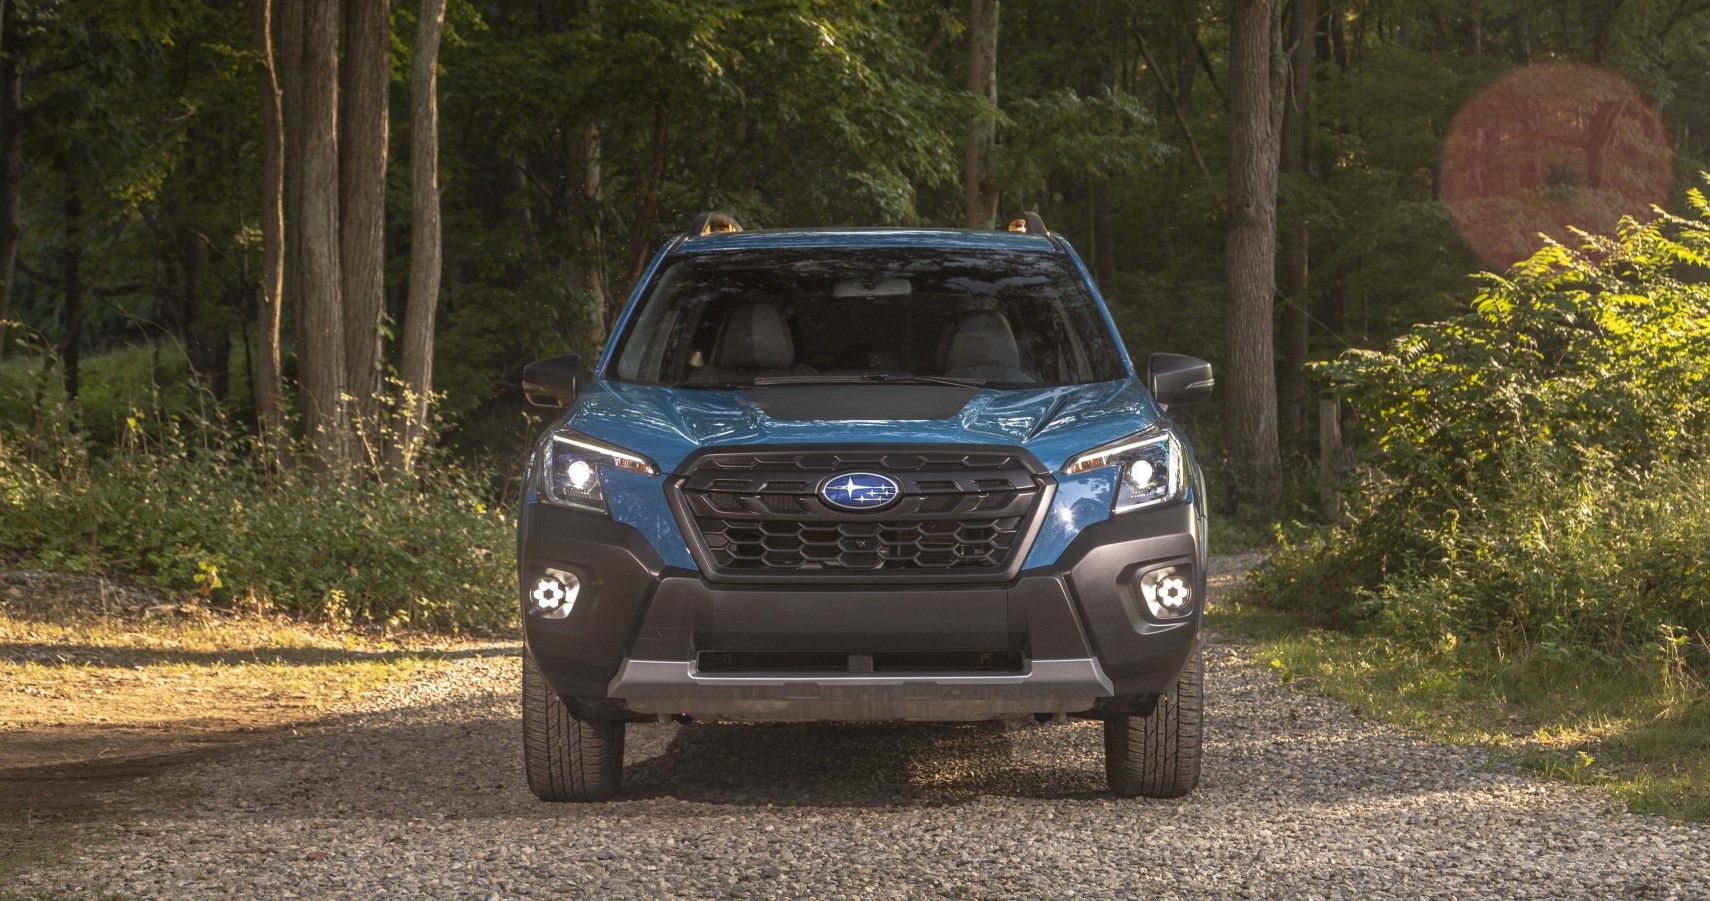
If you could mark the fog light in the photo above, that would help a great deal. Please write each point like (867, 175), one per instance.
(1168, 591)
(554, 594)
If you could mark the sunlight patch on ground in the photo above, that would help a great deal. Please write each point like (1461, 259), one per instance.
(78, 687)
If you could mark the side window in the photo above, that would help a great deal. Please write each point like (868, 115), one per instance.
(644, 355)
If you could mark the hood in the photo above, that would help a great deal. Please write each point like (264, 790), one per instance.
(667, 424)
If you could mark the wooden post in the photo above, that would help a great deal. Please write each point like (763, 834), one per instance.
(1332, 458)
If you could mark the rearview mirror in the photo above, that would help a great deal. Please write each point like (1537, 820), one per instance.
(552, 382)
(1175, 379)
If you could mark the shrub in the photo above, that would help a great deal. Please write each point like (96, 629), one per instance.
(1535, 473)
(188, 509)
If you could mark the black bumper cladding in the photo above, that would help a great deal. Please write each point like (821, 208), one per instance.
(646, 639)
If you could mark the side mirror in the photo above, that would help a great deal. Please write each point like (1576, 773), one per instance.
(1174, 379)
(552, 382)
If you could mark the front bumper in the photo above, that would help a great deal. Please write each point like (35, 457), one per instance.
(677, 686)
(633, 643)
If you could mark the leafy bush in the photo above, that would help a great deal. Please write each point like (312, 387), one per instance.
(189, 509)
(1536, 476)
(116, 382)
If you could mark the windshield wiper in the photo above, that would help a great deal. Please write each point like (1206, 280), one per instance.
(876, 378)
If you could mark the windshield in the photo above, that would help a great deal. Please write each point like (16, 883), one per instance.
(990, 317)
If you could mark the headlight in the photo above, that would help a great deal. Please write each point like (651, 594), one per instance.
(571, 469)
(1151, 469)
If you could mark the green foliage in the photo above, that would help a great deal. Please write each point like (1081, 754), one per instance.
(115, 385)
(1066, 135)
(185, 507)
(783, 112)
(1536, 482)
(786, 112)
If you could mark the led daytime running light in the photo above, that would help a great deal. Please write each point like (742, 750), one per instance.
(617, 459)
(1105, 456)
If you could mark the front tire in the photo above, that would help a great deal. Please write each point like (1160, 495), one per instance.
(1157, 756)
(567, 759)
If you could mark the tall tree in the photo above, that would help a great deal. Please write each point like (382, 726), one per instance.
(979, 188)
(11, 156)
(1296, 160)
(587, 241)
(362, 201)
(292, 15)
(269, 388)
(425, 256)
(320, 342)
(205, 326)
(1250, 395)
(76, 289)
(583, 190)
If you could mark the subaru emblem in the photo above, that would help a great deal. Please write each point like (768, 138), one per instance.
(860, 491)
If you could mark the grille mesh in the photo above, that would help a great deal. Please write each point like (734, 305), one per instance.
(756, 513)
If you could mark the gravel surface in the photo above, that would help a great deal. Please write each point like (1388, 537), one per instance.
(422, 794)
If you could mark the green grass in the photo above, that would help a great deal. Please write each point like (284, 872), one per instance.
(1240, 534)
(1641, 731)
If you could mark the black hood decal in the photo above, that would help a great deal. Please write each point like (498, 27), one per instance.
(799, 403)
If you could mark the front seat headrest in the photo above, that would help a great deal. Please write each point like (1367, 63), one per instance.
(982, 339)
(756, 337)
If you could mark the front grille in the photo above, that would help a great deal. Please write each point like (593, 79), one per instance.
(759, 513)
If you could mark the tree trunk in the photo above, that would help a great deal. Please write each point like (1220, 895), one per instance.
(1102, 243)
(76, 290)
(647, 218)
(582, 200)
(1339, 42)
(292, 14)
(1187, 69)
(1296, 158)
(1523, 34)
(207, 343)
(268, 388)
(522, 212)
(1599, 19)
(362, 204)
(11, 159)
(979, 192)
(1335, 305)
(584, 265)
(1250, 396)
(423, 300)
(320, 343)
(1599, 137)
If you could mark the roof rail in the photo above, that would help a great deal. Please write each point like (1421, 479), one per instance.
(713, 223)
(1029, 223)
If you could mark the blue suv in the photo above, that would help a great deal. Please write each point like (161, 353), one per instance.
(863, 474)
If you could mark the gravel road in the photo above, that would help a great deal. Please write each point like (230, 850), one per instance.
(421, 794)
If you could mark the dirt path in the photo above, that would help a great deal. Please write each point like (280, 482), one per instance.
(422, 795)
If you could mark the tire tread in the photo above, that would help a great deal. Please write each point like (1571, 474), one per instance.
(1158, 756)
(565, 758)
